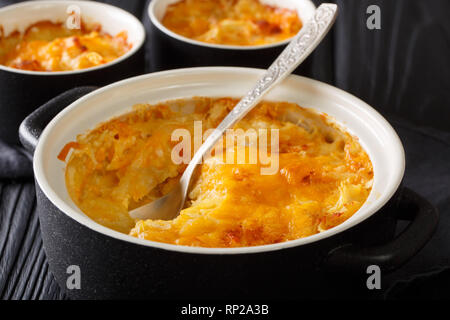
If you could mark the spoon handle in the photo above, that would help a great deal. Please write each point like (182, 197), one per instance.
(293, 55)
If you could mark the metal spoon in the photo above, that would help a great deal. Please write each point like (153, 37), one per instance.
(301, 46)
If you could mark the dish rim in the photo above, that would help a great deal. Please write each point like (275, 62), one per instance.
(66, 209)
(134, 49)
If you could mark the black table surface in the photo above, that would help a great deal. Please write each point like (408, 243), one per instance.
(403, 70)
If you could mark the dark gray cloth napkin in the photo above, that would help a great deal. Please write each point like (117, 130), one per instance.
(15, 162)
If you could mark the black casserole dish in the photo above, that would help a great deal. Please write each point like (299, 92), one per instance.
(115, 265)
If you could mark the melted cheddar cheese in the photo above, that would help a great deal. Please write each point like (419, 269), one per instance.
(48, 46)
(324, 176)
(231, 22)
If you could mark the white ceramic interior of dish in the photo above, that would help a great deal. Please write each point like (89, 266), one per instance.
(374, 132)
(112, 19)
(157, 10)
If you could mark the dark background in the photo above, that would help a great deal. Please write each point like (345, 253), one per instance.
(402, 70)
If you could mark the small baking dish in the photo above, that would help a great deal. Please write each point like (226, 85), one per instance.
(22, 91)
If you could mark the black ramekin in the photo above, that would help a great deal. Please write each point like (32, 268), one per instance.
(171, 51)
(21, 91)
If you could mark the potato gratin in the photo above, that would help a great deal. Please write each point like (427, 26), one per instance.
(231, 22)
(48, 46)
(324, 176)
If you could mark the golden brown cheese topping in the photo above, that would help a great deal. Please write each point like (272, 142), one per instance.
(48, 46)
(231, 22)
(323, 177)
